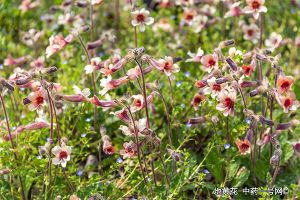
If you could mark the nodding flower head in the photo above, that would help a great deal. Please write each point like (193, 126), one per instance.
(141, 18)
(251, 32)
(79, 96)
(122, 115)
(209, 62)
(234, 10)
(274, 41)
(197, 100)
(107, 147)
(287, 101)
(213, 87)
(227, 98)
(109, 84)
(244, 146)
(189, 16)
(168, 66)
(130, 130)
(296, 147)
(57, 43)
(195, 57)
(36, 100)
(94, 65)
(284, 83)
(248, 70)
(62, 155)
(129, 151)
(255, 7)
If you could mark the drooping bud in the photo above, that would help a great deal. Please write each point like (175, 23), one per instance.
(266, 121)
(226, 43)
(7, 85)
(283, 126)
(196, 120)
(231, 64)
(95, 44)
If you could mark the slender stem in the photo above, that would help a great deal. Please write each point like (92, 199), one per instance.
(171, 90)
(12, 144)
(165, 170)
(137, 143)
(168, 117)
(144, 93)
(71, 187)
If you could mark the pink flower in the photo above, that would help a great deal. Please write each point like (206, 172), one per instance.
(109, 84)
(197, 100)
(38, 124)
(296, 147)
(287, 101)
(274, 41)
(248, 70)
(62, 155)
(129, 150)
(251, 32)
(255, 7)
(79, 96)
(213, 88)
(129, 130)
(227, 98)
(234, 10)
(168, 66)
(138, 102)
(244, 146)
(110, 68)
(189, 16)
(107, 147)
(105, 104)
(195, 57)
(56, 43)
(95, 64)
(141, 18)
(199, 23)
(284, 83)
(36, 100)
(209, 62)
(122, 115)
(96, 2)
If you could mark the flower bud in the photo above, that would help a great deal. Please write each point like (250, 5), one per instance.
(246, 84)
(7, 85)
(231, 64)
(265, 121)
(23, 81)
(5, 171)
(196, 120)
(274, 160)
(26, 101)
(283, 126)
(221, 80)
(81, 3)
(95, 44)
(226, 43)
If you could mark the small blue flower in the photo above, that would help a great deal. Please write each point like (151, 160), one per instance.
(248, 121)
(182, 105)
(205, 171)
(188, 125)
(119, 160)
(227, 146)
(83, 134)
(88, 119)
(187, 74)
(179, 83)
(39, 157)
(79, 173)
(1, 66)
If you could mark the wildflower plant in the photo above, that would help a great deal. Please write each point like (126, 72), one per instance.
(156, 99)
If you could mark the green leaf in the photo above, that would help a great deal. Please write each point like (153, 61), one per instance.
(241, 177)
(233, 169)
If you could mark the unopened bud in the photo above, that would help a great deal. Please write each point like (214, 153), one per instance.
(226, 43)
(231, 64)
(7, 85)
(283, 126)
(265, 121)
(26, 101)
(95, 44)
